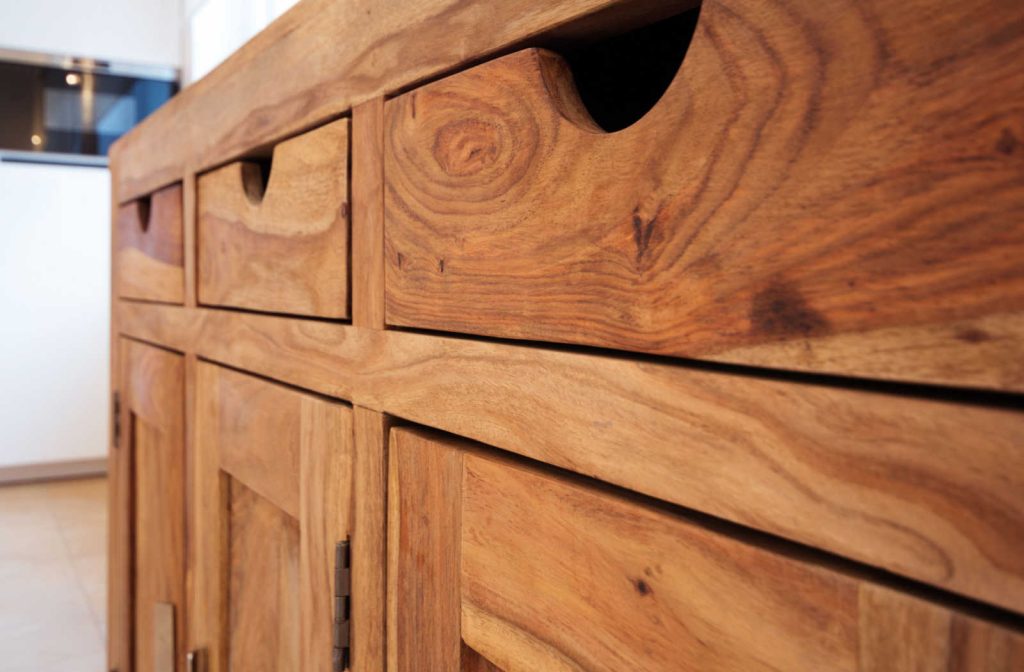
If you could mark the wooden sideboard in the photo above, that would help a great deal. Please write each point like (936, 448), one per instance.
(600, 335)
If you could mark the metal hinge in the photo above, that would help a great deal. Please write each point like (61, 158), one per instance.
(193, 661)
(117, 419)
(342, 605)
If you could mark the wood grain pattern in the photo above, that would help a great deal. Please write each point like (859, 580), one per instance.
(290, 626)
(907, 634)
(149, 252)
(424, 510)
(326, 491)
(154, 388)
(557, 575)
(119, 517)
(285, 250)
(189, 236)
(119, 471)
(369, 539)
(258, 436)
(163, 637)
(282, 82)
(472, 661)
(209, 557)
(815, 169)
(926, 488)
(264, 613)
(368, 215)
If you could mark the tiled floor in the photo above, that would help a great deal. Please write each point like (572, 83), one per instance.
(53, 576)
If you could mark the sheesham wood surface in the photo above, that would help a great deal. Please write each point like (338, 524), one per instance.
(926, 488)
(258, 437)
(149, 249)
(163, 637)
(815, 170)
(119, 475)
(264, 612)
(279, 83)
(472, 661)
(369, 539)
(368, 215)
(232, 621)
(424, 509)
(285, 250)
(154, 387)
(553, 573)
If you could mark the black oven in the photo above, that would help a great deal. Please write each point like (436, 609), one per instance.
(70, 110)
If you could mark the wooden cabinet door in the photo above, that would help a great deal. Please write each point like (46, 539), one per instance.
(496, 564)
(272, 474)
(148, 615)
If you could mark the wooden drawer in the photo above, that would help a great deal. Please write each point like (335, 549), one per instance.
(150, 248)
(820, 185)
(495, 564)
(279, 244)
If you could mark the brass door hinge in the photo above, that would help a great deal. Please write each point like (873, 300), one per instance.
(342, 605)
(116, 403)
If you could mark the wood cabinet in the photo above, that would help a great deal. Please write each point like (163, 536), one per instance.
(595, 335)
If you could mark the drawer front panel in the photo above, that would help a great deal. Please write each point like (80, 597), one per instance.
(827, 176)
(150, 247)
(279, 244)
(533, 570)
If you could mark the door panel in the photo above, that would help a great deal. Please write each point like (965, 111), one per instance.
(264, 586)
(272, 481)
(498, 564)
(155, 405)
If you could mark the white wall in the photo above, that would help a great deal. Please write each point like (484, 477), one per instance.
(133, 31)
(54, 312)
(216, 28)
(55, 243)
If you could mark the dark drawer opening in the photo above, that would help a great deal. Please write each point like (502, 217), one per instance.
(622, 76)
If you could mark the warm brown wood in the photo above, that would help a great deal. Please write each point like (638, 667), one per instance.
(424, 513)
(368, 215)
(192, 525)
(267, 525)
(369, 539)
(906, 634)
(829, 188)
(189, 236)
(325, 517)
(264, 612)
(558, 574)
(119, 488)
(154, 389)
(149, 252)
(258, 437)
(816, 170)
(208, 537)
(308, 67)
(286, 250)
(472, 661)
(163, 637)
(927, 488)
